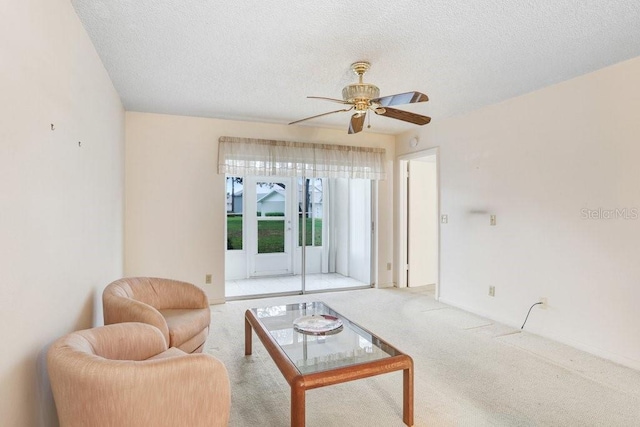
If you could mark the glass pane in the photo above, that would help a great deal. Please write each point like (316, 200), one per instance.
(312, 203)
(234, 212)
(270, 236)
(352, 346)
(313, 230)
(234, 231)
(317, 231)
(270, 199)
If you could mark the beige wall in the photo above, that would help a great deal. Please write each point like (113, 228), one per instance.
(61, 210)
(537, 161)
(175, 198)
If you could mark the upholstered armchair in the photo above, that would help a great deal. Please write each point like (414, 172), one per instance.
(124, 375)
(179, 309)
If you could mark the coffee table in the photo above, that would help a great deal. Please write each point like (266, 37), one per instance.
(312, 361)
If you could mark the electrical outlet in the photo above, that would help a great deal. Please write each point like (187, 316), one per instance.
(389, 266)
(492, 291)
(545, 303)
(207, 279)
(444, 219)
(492, 220)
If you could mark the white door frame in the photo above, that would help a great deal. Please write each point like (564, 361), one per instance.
(403, 213)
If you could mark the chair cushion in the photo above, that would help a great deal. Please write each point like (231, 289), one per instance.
(195, 344)
(172, 352)
(184, 324)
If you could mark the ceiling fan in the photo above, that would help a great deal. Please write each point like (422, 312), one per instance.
(364, 97)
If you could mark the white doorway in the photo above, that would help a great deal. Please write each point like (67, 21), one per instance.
(419, 230)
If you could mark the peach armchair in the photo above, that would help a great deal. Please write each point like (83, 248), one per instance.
(179, 309)
(124, 375)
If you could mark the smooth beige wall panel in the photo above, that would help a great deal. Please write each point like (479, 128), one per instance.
(175, 198)
(61, 204)
(549, 165)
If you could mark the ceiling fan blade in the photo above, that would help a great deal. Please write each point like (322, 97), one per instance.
(357, 123)
(320, 115)
(401, 98)
(339, 101)
(404, 116)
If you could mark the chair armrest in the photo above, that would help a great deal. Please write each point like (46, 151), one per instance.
(118, 309)
(120, 341)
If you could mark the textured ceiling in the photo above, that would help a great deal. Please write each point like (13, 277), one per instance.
(258, 60)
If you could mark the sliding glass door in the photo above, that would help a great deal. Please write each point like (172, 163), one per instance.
(294, 235)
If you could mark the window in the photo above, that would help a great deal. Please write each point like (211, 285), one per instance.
(310, 198)
(235, 198)
(271, 205)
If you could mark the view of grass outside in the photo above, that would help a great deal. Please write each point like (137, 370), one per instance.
(270, 236)
(311, 223)
(234, 231)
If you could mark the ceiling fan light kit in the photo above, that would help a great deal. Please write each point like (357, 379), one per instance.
(365, 96)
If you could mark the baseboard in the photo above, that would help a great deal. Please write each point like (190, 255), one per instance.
(490, 316)
(216, 301)
(385, 285)
(613, 357)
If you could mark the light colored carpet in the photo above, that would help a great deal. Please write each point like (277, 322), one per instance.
(469, 371)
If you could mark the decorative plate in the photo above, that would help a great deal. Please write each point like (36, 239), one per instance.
(318, 324)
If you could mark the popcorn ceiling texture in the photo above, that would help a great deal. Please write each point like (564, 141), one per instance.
(258, 60)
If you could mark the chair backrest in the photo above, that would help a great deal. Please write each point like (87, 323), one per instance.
(158, 293)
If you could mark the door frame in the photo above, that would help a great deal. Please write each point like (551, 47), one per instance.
(403, 214)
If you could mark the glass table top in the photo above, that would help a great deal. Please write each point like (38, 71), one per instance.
(352, 345)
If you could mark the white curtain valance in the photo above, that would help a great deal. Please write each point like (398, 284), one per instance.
(264, 157)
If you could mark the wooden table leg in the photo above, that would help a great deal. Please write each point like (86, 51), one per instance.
(407, 395)
(247, 337)
(297, 405)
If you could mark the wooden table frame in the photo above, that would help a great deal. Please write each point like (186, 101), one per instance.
(300, 383)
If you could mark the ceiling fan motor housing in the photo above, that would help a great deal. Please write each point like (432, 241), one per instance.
(360, 93)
